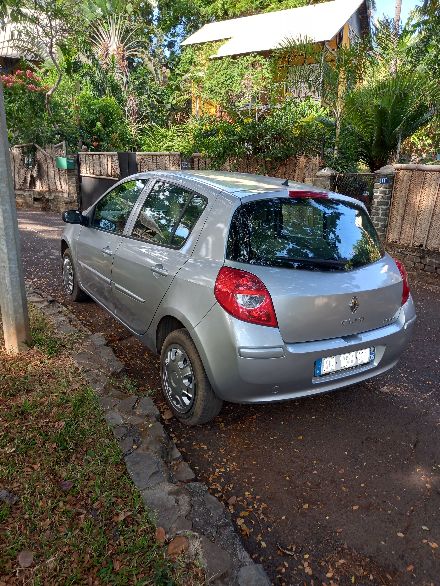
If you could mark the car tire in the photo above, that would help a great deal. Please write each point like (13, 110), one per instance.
(182, 368)
(70, 281)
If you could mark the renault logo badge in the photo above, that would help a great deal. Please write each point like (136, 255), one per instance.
(354, 304)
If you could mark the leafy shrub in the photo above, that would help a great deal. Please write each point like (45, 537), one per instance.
(102, 123)
(26, 114)
(292, 129)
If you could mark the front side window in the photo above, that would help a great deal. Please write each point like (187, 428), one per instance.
(303, 233)
(112, 211)
(168, 215)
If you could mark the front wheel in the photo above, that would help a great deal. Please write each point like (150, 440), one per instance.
(184, 382)
(70, 281)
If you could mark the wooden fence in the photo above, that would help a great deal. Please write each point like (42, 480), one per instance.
(151, 161)
(414, 219)
(107, 165)
(301, 168)
(34, 168)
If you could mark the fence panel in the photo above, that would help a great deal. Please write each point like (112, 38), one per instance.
(104, 165)
(301, 169)
(34, 169)
(414, 219)
(153, 161)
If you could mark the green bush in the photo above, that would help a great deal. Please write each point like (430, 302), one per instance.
(26, 115)
(294, 128)
(102, 123)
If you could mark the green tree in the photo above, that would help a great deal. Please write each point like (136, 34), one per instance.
(385, 112)
(44, 30)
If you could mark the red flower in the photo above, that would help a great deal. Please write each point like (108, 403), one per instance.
(29, 74)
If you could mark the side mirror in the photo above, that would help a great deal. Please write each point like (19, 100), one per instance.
(74, 217)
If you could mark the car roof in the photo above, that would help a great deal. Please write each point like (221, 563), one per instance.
(245, 186)
(233, 183)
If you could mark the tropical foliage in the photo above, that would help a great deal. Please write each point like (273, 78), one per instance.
(111, 76)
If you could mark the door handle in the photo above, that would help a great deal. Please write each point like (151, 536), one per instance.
(107, 251)
(159, 269)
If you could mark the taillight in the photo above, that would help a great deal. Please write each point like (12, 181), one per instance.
(405, 290)
(245, 296)
(306, 194)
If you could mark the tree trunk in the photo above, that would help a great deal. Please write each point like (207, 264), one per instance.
(397, 12)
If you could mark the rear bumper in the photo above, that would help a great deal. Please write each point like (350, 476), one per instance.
(249, 364)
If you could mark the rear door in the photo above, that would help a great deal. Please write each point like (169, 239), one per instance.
(322, 262)
(98, 242)
(157, 246)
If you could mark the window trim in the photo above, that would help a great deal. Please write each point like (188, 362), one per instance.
(119, 184)
(144, 199)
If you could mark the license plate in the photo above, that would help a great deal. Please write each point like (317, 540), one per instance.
(343, 361)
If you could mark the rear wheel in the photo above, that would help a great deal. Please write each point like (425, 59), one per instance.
(184, 382)
(70, 282)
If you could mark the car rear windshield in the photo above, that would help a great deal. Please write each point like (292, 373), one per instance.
(303, 233)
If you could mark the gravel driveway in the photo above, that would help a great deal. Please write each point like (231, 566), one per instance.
(338, 489)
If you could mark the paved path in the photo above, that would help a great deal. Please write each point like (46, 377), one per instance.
(342, 488)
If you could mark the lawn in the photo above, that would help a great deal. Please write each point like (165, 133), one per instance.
(68, 511)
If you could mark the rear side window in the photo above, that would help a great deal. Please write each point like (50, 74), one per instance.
(168, 215)
(303, 233)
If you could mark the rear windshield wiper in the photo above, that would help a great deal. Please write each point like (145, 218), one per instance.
(319, 262)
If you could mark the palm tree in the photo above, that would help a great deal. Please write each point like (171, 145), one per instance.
(115, 43)
(385, 112)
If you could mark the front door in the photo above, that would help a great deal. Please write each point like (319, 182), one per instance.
(99, 241)
(150, 256)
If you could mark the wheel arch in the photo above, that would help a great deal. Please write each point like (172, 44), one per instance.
(166, 325)
(171, 321)
(64, 246)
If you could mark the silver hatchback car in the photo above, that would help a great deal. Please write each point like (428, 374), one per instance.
(249, 289)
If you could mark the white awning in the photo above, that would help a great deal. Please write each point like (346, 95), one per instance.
(265, 32)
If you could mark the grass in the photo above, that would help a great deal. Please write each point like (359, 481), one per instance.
(76, 509)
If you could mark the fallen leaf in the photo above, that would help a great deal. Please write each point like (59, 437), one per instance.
(306, 506)
(433, 544)
(167, 414)
(409, 568)
(8, 497)
(355, 507)
(160, 535)
(425, 528)
(116, 565)
(121, 516)
(290, 551)
(232, 500)
(399, 534)
(177, 546)
(65, 485)
(25, 559)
